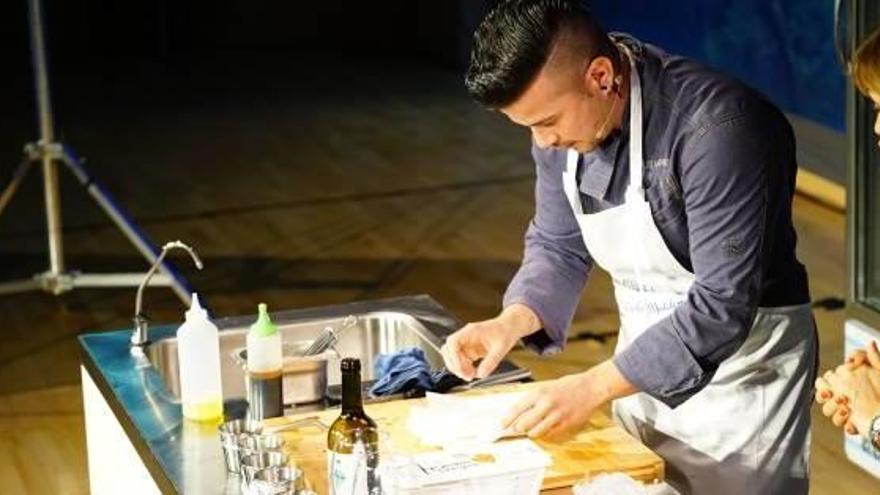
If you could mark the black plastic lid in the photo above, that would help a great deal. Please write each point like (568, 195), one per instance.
(350, 365)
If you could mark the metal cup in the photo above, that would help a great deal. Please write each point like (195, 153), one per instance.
(279, 480)
(232, 456)
(231, 435)
(261, 443)
(238, 426)
(252, 463)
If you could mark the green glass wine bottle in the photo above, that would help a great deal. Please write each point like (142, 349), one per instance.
(353, 441)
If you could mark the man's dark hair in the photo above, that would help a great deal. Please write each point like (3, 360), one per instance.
(516, 37)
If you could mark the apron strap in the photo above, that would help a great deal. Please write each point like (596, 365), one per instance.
(569, 181)
(635, 194)
(636, 156)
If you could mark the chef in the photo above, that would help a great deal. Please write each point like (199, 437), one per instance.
(678, 182)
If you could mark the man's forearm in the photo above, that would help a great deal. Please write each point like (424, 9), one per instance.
(607, 381)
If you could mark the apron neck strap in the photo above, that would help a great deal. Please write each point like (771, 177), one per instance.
(636, 156)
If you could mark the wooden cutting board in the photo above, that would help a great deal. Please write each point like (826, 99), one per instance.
(600, 448)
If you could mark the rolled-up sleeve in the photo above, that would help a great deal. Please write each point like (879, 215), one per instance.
(555, 263)
(724, 179)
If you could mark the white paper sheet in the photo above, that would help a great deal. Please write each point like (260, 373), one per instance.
(462, 422)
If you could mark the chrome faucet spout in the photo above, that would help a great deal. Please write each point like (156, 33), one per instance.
(139, 336)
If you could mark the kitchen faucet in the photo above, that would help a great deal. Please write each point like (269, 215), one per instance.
(139, 336)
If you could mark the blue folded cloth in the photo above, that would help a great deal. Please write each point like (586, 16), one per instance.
(403, 371)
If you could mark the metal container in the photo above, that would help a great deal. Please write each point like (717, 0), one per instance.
(232, 433)
(252, 463)
(252, 444)
(303, 378)
(232, 457)
(279, 480)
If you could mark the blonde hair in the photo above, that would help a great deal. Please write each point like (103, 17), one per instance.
(866, 65)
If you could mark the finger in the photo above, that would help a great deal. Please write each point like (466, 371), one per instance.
(823, 396)
(531, 418)
(829, 408)
(448, 360)
(828, 376)
(850, 428)
(455, 360)
(519, 408)
(823, 391)
(470, 353)
(856, 359)
(490, 362)
(839, 380)
(544, 426)
(873, 354)
(841, 416)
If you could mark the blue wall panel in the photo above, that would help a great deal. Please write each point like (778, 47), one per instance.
(784, 48)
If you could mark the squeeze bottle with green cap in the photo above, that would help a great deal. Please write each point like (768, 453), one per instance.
(264, 368)
(198, 352)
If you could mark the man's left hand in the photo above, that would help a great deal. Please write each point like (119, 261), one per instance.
(554, 410)
(563, 406)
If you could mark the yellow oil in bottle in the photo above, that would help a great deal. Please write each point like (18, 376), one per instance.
(210, 410)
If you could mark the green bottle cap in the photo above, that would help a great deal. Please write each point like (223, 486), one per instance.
(263, 327)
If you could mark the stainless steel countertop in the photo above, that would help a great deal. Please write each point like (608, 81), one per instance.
(185, 457)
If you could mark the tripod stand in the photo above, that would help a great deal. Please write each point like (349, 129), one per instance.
(49, 153)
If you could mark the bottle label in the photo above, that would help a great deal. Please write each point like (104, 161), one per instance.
(347, 472)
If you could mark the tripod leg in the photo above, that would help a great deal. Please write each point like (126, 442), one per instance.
(126, 224)
(18, 286)
(17, 177)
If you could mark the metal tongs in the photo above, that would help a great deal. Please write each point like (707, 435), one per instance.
(329, 337)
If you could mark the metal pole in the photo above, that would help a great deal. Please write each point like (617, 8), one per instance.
(47, 138)
(125, 223)
(17, 177)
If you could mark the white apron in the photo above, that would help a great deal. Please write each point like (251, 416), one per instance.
(747, 431)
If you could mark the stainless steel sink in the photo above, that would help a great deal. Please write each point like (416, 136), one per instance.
(375, 333)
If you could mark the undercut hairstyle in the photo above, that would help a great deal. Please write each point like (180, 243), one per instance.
(866, 65)
(514, 41)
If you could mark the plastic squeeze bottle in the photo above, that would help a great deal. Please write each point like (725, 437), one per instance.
(264, 368)
(198, 352)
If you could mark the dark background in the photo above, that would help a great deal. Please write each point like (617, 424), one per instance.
(97, 48)
(784, 48)
(106, 35)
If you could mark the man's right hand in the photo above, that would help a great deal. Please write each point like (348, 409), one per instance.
(488, 341)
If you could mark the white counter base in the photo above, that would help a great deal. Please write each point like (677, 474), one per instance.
(114, 465)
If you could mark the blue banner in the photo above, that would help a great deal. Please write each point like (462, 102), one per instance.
(783, 48)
